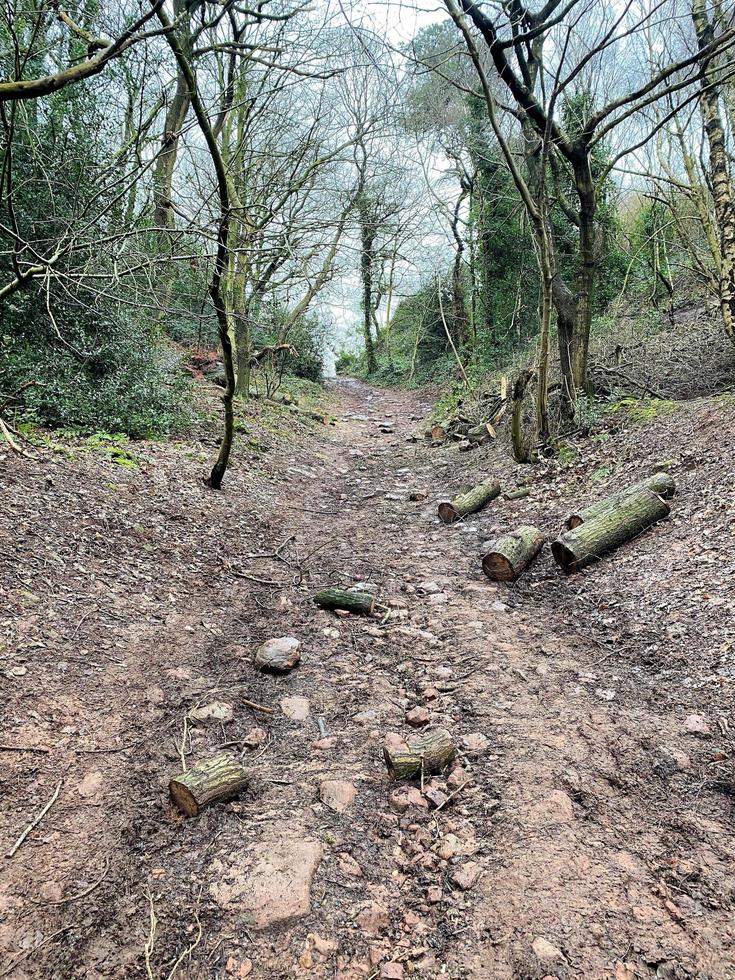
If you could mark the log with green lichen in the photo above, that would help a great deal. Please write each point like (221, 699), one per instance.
(660, 483)
(511, 554)
(211, 781)
(354, 602)
(467, 503)
(609, 529)
(429, 753)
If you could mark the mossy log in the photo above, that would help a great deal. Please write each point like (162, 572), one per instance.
(354, 602)
(211, 781)
(430, 753)
(585, 543)
(518, 494)
(660, 483)
(511, 555)
(468, 503)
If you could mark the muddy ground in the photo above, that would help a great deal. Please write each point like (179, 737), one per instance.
(589, 827)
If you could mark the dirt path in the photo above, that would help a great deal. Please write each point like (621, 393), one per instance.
(585, 840)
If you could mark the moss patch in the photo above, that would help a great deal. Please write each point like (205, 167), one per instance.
(642, 409)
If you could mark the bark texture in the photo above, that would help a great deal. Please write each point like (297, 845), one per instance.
(660, 483)
(431, 753)
(722, 189)
(589, 541)
(468, 503)
(511, 555)
(211, 781)
(354, 602)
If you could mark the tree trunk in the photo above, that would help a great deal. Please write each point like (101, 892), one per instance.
(722, 189)
(589, 541)
(660, 483)
(354, 602)
(468, 503)
(511, 555)
(521, 445)
(367, 241)
(430, 753)
(211, 781)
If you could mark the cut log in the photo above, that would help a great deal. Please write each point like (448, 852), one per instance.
(430, 753)
(518, 494)
(211, 781)
(511, 555)
(468, 503)
(660, 483)
(608, 530)
(354, 602)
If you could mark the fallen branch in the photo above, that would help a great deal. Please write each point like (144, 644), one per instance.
(35, 822)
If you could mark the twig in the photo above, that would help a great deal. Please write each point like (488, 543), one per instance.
(24, 748)
(182, 749)
(35, 822)
(87, 891)
(258, 707)
(148, 949)
(258, 581)
(189, 951)
(451, 796)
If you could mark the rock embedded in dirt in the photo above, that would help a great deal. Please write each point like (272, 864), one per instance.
(449, 847)
(547, 954)
(556, 808)
(296, 709)
(402, 800)
(474, 744)
(275, 888)
(429, 588)
(457, 779)
(434, 894)
(239, 969)
(255, 737)
(697, 725)
(436, 797)
(392, 971)
(466, 875)
(218, 712)
(324, 744)
(373, 919)
(418, 717)
(348, 865)
(337, 794)
(279, 655)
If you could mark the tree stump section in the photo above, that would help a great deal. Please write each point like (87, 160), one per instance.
(355, 602)
(431, 753)
(211, 781)
(467, 503)
(588, 541)
(660, 483)
(511, 555)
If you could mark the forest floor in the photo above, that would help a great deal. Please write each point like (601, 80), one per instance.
(592, 832)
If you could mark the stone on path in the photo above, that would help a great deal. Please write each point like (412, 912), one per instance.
(466, 875)
(418, 717)
(255, 737)
(274, 887)
(373, 918)
(297, 709)
(337, 794)
(348, 865)
(215, 711)
(279, 655)
(474, 744)
(697, 725)
(547, 954)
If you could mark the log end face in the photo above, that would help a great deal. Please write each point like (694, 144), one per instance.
(563, 556)
(497, 567)
(447, 513)
(183, 798)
